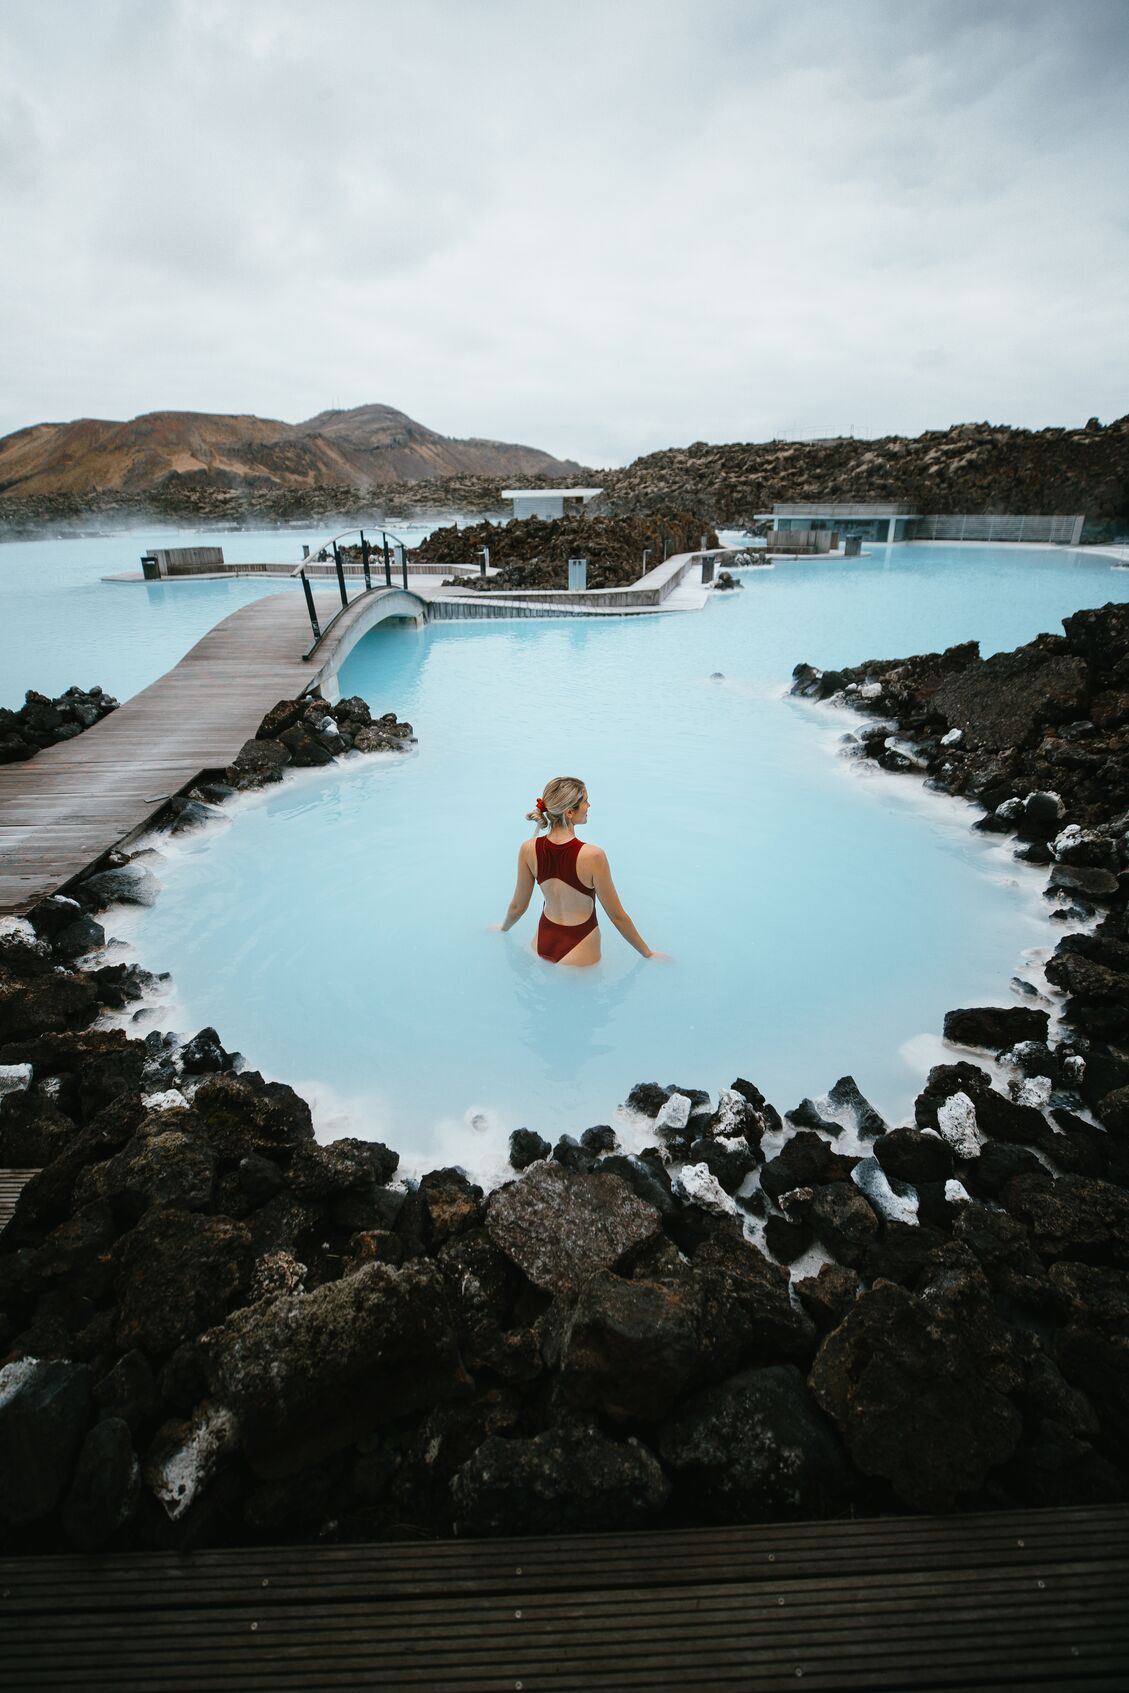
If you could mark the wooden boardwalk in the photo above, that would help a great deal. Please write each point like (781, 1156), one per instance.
(63, 809)
(1036, 1599)
(12, 1184)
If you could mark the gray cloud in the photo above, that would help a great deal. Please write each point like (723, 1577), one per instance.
(602, 230)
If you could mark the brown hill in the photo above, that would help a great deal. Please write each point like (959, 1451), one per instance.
(162, 450)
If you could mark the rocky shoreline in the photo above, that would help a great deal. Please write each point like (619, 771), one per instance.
(216, 1331)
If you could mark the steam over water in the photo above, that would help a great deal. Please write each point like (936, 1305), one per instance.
(822, 916)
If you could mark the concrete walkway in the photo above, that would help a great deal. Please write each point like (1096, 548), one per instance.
(63, 809)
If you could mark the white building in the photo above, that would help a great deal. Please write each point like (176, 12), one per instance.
(551, 502)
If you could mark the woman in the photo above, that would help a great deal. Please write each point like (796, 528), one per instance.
(572, 876)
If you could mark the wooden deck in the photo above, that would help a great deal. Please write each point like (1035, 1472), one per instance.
(63, 809)
(1036, 1599)
(12, 1184)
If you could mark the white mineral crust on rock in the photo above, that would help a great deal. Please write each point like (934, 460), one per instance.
(171, 1100)
(870, 690)
(694, 1184)
(14, 1078)
(956, 1193)
(953, 738)
(732, 1108)
(1034, 1090)
(871, 1179)
(675, 1114)
(13, 1376)
(956, 1119)
(184, 1461)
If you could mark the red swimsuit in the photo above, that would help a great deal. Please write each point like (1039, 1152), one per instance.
(558, 862)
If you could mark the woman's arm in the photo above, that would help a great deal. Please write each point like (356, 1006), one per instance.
(523, 892)
(597, 862)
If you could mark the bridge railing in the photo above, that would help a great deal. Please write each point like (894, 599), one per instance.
(366, 567)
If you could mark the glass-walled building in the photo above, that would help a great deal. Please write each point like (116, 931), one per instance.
(884, 522)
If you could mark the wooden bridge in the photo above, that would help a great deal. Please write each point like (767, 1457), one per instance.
(1016, 1600)
(62, 810)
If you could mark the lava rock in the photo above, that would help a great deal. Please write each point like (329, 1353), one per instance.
(1073, 1217)
(560, 1226)
(43, 1411)
(918, 1388)
(829, 1295)
(571, 1479)
(847, 1096)
(647, 1178)
(128, 884)
(279, 718)
(747, 1313)
(33, 1131)
(526, 1147)
(305, 749)
(995, 1026)
(757, 1448)
(203, 1054)
(805, 1160)
(730, 1161)
(106, 1488)
(806, 1115)
(175, 1274)
(569, 1152)
(599, 1139)
(787, 1239)
(308, 1374)
(243, 1114)
(629, 1348)
(1098, 885)
(911, 1155)
(161, 1165)
(843, 1221)
(648, 1098)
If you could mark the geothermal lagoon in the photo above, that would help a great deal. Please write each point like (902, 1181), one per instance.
(822, 915)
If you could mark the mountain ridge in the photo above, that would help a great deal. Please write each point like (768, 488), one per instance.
(362, 447)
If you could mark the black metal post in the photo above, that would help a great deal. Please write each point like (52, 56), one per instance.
(364, 560)
(387, 561)
(485, 561)
(404, 564)
(340, 574)
(314, 624)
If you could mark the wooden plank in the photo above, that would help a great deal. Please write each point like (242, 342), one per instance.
(12, 1184)
(761, 1550)
(1008, 1600)
(60, 811)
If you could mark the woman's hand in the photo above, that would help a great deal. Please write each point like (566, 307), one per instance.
(661, 957)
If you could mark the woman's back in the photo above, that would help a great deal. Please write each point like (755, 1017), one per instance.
(568, 898)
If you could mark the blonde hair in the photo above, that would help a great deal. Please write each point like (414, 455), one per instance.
(563, 793)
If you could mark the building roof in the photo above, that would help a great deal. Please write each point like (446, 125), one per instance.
(529, 493)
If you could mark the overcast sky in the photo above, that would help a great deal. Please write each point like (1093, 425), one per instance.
(597, 228)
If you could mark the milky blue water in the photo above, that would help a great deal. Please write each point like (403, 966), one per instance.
(822, 917)
(63, 624)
